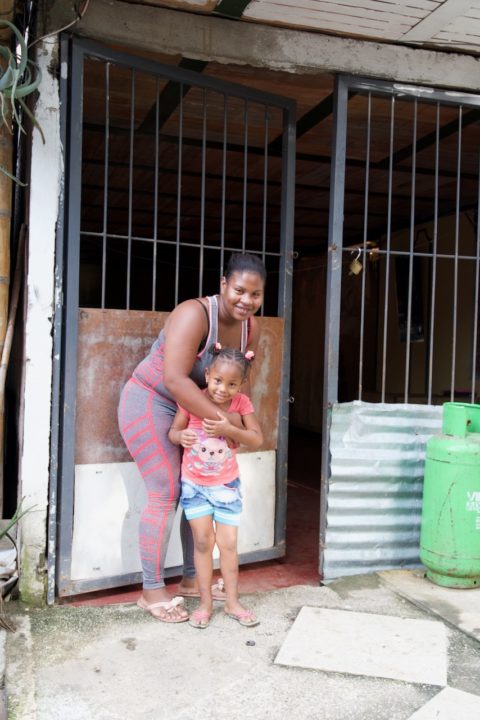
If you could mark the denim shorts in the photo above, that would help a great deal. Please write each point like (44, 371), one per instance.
(224, 502)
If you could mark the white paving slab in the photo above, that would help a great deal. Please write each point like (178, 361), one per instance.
(457, 606)
(449, 704)
(367, 644)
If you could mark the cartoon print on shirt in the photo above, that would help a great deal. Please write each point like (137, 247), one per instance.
(209, 455)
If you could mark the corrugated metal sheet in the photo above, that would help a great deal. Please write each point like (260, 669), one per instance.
(375, 490)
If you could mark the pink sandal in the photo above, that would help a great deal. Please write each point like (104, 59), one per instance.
(167, 605)
(200, 619)
(247, 618)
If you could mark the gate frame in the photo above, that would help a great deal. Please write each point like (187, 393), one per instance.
(343, 84)
(62, 471)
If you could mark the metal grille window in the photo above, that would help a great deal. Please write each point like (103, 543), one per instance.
(410, 251)
(175, 177)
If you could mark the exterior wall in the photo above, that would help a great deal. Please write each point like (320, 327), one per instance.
(45, 187)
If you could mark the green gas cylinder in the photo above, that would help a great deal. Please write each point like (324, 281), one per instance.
(450, 529)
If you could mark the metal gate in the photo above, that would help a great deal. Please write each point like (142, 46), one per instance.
(402, 307)
(168, 172)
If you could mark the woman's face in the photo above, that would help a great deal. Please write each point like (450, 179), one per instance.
(242, 294)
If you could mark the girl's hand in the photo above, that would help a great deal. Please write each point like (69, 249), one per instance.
(188, 438)
(217, 428)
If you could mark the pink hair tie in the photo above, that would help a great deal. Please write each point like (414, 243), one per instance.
(217, 347)
(249, 355)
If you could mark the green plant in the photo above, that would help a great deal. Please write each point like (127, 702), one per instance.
(18, 514)
(19, 77)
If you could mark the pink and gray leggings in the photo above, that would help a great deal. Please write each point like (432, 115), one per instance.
(144, 419)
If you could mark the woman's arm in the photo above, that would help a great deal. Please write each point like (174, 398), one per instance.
(185, 329)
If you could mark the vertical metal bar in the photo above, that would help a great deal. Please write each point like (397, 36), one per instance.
(265, 188)
(245, 176)
(56, 413)
(334, 288)
(155, 198)
(455, 274)
(265, 185)
(364, 259)
(475, 305)
(202, 200)
(179, 193)
(285, 310)
(65, 498)
(224, 181)
(388, 248)
(130, 189)
(105, 182)
(434, 257)
(411, 252)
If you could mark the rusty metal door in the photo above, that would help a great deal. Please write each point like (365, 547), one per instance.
(169, 171)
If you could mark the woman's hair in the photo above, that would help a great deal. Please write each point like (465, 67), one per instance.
(245, 262)
(243, 360)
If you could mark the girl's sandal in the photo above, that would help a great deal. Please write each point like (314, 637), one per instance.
(199, 619)
(218, 592)
(247, 618)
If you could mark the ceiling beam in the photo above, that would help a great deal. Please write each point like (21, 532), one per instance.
(169, 99)
(231, 8)
(428, 140)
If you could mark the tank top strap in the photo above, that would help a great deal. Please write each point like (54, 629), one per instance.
(213, 325)
(244, 338)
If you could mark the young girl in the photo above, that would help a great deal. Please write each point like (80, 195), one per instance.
(210, 482)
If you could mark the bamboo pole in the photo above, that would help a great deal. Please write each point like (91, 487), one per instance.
(6, 159)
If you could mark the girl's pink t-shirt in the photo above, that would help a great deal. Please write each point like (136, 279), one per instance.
(210, 461)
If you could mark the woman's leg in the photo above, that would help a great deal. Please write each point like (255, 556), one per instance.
(144, 425)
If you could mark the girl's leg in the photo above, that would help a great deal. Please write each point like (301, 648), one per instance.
(144, 425)
(188, 585)
(204, 541)
(226, 539)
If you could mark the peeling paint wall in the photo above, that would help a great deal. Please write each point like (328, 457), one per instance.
(45, 187)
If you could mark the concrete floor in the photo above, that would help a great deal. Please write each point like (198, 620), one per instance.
(115, 662)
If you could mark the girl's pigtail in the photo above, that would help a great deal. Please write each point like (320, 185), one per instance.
(215, 348)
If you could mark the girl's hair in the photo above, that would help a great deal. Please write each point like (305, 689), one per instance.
(245, 262)
(243, 360)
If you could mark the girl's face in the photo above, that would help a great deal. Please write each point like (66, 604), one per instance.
(242, 294)
(224, 380)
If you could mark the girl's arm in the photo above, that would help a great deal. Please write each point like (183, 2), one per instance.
(249, 435)
(179, 434)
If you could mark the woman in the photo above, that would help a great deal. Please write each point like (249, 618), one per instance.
(174, 372)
